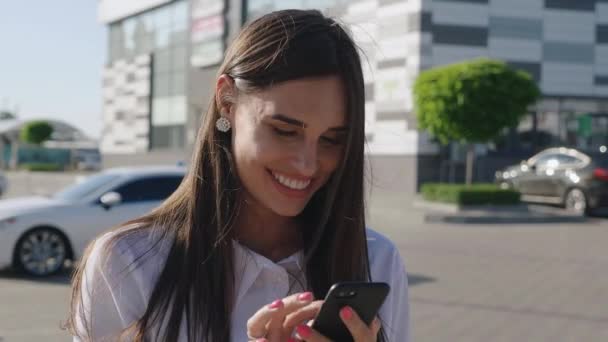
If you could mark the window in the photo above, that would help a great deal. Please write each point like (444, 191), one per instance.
(149, 189)
(547, 160)
(171, 137)
(164, 27)
(565, 159)
(82, 189)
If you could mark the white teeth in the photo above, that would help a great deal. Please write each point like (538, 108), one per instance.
(291, 183)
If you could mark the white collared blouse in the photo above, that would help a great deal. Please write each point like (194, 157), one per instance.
(113, 298)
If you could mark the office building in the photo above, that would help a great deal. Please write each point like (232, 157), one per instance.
(163, 58)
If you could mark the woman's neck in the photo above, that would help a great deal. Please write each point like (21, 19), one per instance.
(266, 233)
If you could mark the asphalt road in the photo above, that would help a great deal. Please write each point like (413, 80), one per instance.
(541, 282)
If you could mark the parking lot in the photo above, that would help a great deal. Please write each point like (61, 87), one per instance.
(520, 282)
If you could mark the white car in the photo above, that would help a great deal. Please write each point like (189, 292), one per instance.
(39, 234)
(3, 184)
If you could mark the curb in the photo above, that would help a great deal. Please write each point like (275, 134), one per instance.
(514, 214)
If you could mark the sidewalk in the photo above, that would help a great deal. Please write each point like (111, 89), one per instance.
(436, 212)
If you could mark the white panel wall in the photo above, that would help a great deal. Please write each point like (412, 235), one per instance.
(569, 26)
(515, 49)
(446, 54)
(392, 138)
(561, 78)
(601, 10)
(601, 59)
(392, 48)
(392, 92)
(460, 13)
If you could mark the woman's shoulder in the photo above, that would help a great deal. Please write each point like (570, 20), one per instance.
(129, 247)
(386, 265)
(384, 257)
(379, 245)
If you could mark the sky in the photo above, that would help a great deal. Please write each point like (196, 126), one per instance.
(51, 58)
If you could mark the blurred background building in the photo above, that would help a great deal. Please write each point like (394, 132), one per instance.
(68, 147)
(163, 56)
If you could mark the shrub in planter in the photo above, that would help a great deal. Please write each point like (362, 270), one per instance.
(476, 194)
(45, 167)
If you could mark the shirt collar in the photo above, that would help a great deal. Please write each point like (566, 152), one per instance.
(248, 265)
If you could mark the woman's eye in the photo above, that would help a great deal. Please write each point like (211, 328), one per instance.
(332, 141)
(285, 133)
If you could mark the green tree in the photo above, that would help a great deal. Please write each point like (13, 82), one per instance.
(36, 132)
(472, 102)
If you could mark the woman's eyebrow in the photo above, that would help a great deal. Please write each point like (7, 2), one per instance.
(339, 129)
(288, 120)
(296, 122)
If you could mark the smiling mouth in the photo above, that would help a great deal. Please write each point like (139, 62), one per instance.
(290, 185)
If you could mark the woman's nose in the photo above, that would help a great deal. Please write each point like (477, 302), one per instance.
(306, 162)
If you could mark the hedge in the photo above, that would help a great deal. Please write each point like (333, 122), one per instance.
(476, 194)
(45, 167)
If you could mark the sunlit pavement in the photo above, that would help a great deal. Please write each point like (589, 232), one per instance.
(541, 282)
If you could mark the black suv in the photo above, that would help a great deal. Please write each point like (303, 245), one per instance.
(564, 176)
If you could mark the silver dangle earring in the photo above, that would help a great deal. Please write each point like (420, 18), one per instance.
(222, 124)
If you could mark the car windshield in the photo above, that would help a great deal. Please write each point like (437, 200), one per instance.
(86, 187)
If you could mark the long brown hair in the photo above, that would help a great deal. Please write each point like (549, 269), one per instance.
(197, 281)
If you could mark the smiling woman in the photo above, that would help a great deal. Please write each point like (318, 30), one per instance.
(270, 215)
(286, 148)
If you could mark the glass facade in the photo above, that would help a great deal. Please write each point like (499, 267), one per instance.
(574, 123)
(162, 32)
(257, 8)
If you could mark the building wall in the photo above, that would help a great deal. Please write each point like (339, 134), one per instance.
(562, 43)
(388, 33)
(145, 77)
(126, 106)
(203, 71)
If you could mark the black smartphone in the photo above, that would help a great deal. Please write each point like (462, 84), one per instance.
(364, 297)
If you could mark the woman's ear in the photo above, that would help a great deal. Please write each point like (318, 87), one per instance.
(225, 95)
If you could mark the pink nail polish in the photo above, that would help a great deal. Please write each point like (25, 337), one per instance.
(304, 297)
(276, 304)
(346, 313)
(304, 331)
(291, 339)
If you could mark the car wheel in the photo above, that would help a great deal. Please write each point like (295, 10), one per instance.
(576, 201)
(41, 252)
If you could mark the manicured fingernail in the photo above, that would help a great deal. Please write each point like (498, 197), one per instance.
(303, 331)
(261, 340)
(346, 312)
(304, 297)
(276, 304)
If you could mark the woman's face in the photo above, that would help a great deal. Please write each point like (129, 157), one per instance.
(288, 140)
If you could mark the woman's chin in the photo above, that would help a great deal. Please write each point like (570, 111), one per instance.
(289, 212)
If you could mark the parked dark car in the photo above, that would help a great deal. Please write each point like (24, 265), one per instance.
(564, 176)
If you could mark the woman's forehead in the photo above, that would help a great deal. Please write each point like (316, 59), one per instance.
(309, 99)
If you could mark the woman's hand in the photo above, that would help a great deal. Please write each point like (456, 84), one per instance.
(276, 321)
(358, 329)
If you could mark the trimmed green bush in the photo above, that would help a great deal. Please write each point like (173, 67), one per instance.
(472, 102)
(476, 194)
(36, 132)
(44, 167)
